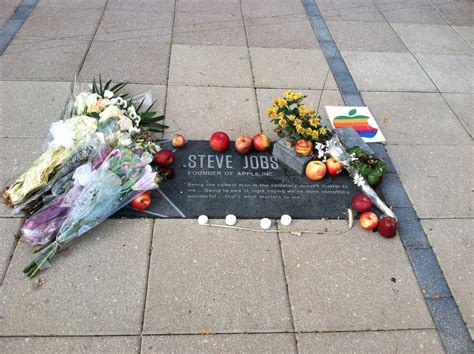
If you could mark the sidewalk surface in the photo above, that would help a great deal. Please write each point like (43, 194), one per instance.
(152, 285)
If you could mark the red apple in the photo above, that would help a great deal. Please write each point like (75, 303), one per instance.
(243, 144)
(304, 147)
(334, 167)
(315, 170)
(141, 201)
(178, 141)
(387, 226)
(164, 158)
(219, 142)
(166, 172)
(368, 220)
(261, 142)
(361, 203)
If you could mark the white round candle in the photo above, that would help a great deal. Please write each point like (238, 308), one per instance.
(231, 219)
(285, 220)
(203, 220)
(265, 223)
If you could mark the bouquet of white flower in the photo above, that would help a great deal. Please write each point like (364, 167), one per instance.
(101, 112)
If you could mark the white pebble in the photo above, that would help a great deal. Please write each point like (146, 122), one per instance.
(265, 223)
(231, 220)
(285, 220)
(203, 220)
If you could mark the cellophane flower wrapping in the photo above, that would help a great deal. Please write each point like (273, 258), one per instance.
(122, 176)
(337, 150)
(43, 225)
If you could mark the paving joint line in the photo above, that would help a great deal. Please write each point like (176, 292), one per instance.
(216, 333)
(444, 311)
(91, 40)
(287, 286)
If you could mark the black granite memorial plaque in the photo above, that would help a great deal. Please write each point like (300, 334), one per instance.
(250, 186)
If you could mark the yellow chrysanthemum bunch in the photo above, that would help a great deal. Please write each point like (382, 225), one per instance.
(294, 119)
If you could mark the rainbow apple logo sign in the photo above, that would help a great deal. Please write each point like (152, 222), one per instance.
(358, 118)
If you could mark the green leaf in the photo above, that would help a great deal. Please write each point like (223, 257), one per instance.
(372, 178)
(118, 87)
(352, 112)
(94, 86)
(107, 84)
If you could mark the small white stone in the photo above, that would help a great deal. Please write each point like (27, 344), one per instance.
(265, 223)
(203, 220)
(285, 220)
(231, 220)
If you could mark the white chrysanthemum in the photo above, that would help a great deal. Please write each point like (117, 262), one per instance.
(359, 180)
(124, 104)
(108, 94)
(131, 109)
(119, 101)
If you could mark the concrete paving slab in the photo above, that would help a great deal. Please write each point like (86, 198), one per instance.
(18, 156)
(222, 7)
(209, 29)
(109, 266)
(365, 36)
(400, 4)
(265, 98)
(289, 68)
(143, 63)
(7, 11)
(140, 25)
(350, 10)
(9, 228)
(50, 345)
(209, 109)
(406, 118)
(415, 341)
(220, 343)
(215, 280)
(373, 71)
(271, 8)
(272, 32)
(38, 59)
(451, 73)
(466, 33)
(72, 4)
(78, 24)
(453, 245)
(457, 12)
(436, 39)
(411, 13)
(463, 106)
(355, 280)
(427, 172)
(152, 5)
(45, 104)
(210, 66)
